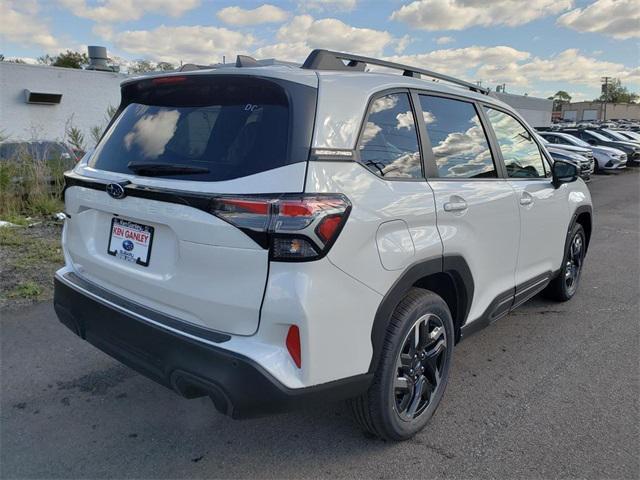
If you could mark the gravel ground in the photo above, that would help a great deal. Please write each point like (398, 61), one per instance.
(29, 256)
(550, 391)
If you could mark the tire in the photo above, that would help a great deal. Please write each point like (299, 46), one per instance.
(565, 285)
(409, 382)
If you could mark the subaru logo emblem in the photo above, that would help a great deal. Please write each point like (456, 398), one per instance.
(116, 190)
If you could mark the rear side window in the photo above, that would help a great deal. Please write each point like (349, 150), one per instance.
(459, 143)
(521, 154)
(214, 128)
(389, 142)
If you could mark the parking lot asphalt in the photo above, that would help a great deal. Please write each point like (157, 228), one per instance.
(552, 390)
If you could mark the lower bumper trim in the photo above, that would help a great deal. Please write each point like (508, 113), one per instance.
(238, 386)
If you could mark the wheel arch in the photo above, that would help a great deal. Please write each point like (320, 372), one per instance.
(584, 216)
(449, 277)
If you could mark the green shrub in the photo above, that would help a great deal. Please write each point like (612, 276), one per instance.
(30, 186)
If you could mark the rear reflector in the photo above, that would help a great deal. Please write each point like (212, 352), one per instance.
(293, 227)
(293, 345)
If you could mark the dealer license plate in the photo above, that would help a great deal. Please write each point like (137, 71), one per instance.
(130, 241)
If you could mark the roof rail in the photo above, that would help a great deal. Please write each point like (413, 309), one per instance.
(328, 60)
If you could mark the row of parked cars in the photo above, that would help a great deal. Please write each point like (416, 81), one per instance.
(596, 148)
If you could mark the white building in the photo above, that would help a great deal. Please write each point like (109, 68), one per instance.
(40, 102)
(536, 111)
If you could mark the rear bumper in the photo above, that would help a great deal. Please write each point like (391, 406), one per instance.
(238, 386)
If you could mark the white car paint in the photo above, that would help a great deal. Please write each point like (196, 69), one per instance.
(209, 273)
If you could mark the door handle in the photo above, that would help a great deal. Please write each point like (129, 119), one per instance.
(457, 206)
(526, 199)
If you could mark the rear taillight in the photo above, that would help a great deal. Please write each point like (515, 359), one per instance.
(293, 227)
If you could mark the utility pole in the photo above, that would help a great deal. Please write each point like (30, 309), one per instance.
(605, 91)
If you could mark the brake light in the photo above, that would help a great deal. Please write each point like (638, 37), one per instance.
(168, 80)
(293, 227)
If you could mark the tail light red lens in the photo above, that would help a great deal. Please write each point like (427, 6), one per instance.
(294, 228)
(168, 80)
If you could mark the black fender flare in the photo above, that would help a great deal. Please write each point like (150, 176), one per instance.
(453, 265)
(574, 218)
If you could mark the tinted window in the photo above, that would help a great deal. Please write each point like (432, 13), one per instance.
(521, 154)
(458, 140)
(597, 136)
(573, 140)
(389, 143)
(229, 126)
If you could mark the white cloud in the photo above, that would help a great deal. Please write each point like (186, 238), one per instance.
(293, 52)
(460, 14)
(20, 24)
(583, 70)
(263, 14)
(459, 61)
(303, 33)
(619, 19)
(197, 43)
(327, 5)
(127, 10)
(444, 40)
(501, 64)
(401, 44)
(404, 120)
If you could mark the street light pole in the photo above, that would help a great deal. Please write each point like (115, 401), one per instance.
(605, 81)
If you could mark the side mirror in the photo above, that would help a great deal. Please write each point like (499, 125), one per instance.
(564, 172)
(591, 141)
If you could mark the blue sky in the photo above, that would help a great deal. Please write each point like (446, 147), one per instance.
(534, 46)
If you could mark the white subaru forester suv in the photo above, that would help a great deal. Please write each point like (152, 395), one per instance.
(271, 236)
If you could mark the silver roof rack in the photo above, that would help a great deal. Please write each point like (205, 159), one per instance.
(328, 60)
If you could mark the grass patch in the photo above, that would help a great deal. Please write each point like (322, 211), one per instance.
(11, 237)
(29, 257)
(28, 290)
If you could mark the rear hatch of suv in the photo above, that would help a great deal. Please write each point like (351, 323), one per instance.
(153, 210)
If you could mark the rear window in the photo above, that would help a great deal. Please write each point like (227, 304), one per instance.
(216, 127)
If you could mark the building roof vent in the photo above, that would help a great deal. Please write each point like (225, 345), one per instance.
(43, 98)
(98, 59)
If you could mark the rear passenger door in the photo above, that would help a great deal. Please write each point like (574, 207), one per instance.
(476, 209)
(543, 208)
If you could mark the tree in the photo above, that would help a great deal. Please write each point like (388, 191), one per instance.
(165, 66)
(46, 59)
(614, 92)
(144, 66)
(561, 97)
(68, 59)
(10, 60)
(71, 59)
(141, 66)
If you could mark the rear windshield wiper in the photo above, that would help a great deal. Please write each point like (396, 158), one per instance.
(154, 168)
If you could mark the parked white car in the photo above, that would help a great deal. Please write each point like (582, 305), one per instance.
(607, 158)
(272, 236)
